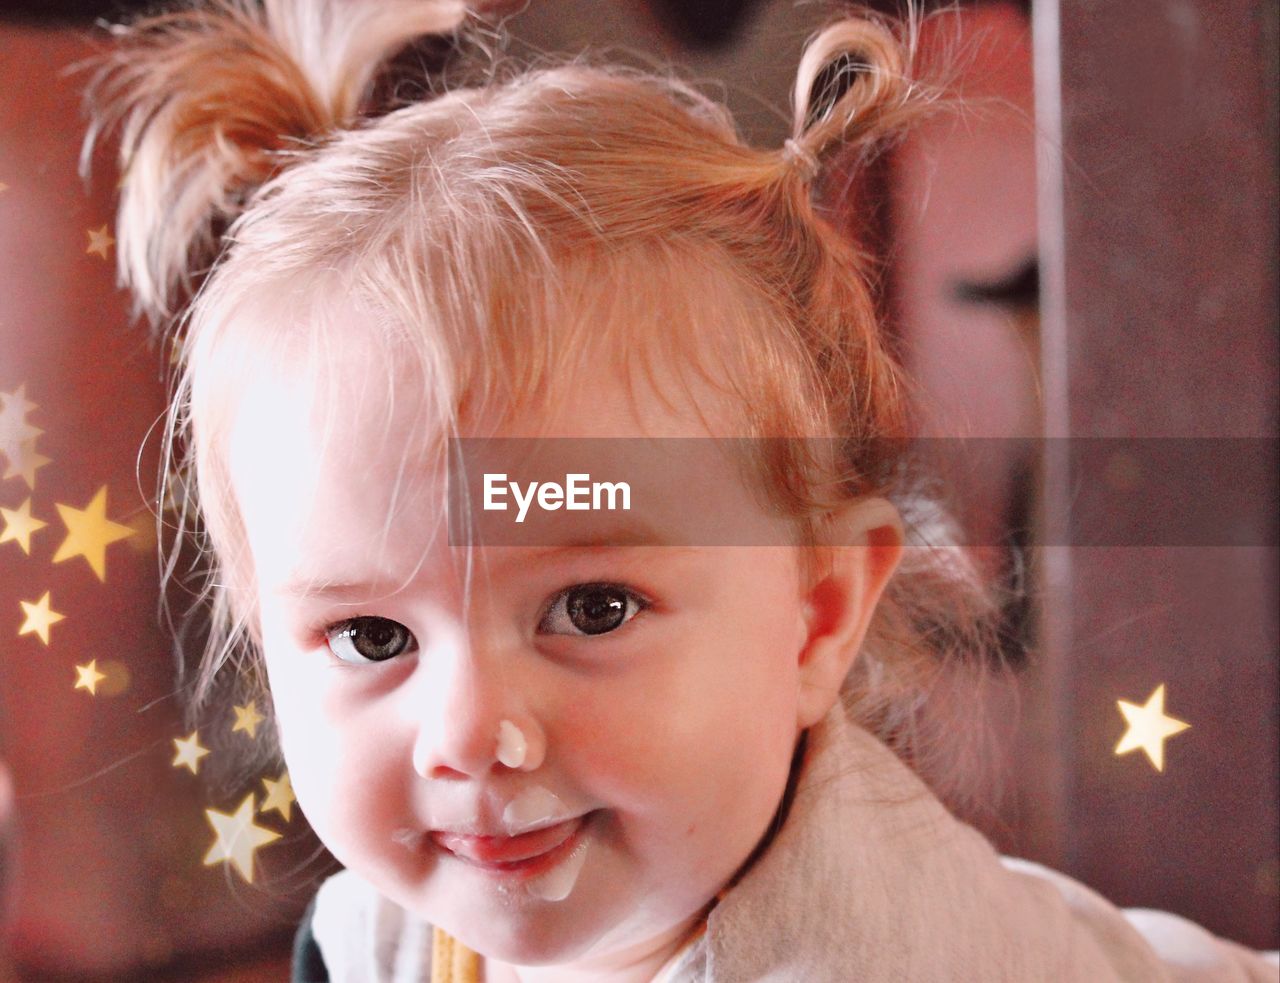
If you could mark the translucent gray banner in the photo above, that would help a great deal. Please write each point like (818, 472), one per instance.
(727, 492)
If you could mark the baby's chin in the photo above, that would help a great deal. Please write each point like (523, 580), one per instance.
(507, 922)
(532, 942)
(585, 941)
(600, 926)
(525, 932)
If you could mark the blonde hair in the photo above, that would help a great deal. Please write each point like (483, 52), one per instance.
(251, 170)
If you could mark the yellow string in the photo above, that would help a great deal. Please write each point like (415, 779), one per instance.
(451, 961)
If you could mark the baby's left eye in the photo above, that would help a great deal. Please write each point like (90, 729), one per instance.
(591, 609)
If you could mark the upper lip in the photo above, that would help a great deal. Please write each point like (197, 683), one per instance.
(490, 831)
(493, 811)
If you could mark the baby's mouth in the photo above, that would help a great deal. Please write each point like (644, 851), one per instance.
(526, 853)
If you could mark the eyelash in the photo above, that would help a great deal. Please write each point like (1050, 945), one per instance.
(632, 597)
(634, 604)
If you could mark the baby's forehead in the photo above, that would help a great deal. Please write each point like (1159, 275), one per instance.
(351, 410)
(359, 412)
(634, 341)
(331, 465)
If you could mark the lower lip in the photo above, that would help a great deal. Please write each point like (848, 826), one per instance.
(574, 830)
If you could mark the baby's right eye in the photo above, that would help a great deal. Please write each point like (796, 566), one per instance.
(369, 639)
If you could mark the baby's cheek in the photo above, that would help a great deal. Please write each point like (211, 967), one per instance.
(605, 743)
(665, 812)
(693, 784)
(319, 731)
(632, 762)
(348, 778)
(308, 741)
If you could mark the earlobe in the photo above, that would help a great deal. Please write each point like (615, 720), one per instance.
(868, 541)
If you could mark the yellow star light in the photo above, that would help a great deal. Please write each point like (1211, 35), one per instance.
(89, 533)
(100, 241)
(3, 187)
(237, 838)
(189, 752)
(19, 524)
(24, 462)
(1149, 727)
(88, 677)
(39, 616)
(279, 796)
(247, 719)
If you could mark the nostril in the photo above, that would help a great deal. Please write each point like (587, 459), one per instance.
(432, 760)
(444, 771)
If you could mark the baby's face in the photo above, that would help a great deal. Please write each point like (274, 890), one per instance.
(567, 766)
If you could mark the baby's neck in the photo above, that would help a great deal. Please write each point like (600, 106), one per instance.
(638, 964)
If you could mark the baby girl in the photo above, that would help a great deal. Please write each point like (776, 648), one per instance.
(648, 736)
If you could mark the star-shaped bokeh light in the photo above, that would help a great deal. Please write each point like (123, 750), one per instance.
(189, 752)
(1149, 727)
(100, 241)
(25, 462)
(39, 616)
(237, 838)
(279, 796)
(89, 533)
(19, 524)
(88, 677)
(247, 720)
(15, 428)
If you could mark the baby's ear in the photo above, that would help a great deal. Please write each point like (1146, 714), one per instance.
(867, 535)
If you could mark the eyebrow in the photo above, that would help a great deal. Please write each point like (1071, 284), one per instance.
(626, 536)
(619, 534)
(352, 590)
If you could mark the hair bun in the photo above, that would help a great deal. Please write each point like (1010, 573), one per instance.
(852, 89)
(210, 99)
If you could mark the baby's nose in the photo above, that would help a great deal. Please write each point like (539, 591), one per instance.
(472, 716)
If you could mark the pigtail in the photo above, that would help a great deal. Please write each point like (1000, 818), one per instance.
(937, 628)
(212, 100)
(852, 90)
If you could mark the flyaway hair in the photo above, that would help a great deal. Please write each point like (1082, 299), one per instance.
(212, 100)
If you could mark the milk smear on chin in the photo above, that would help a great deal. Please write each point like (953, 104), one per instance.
(557, 883)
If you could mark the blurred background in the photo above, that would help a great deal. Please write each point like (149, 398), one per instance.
(1085, 251)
